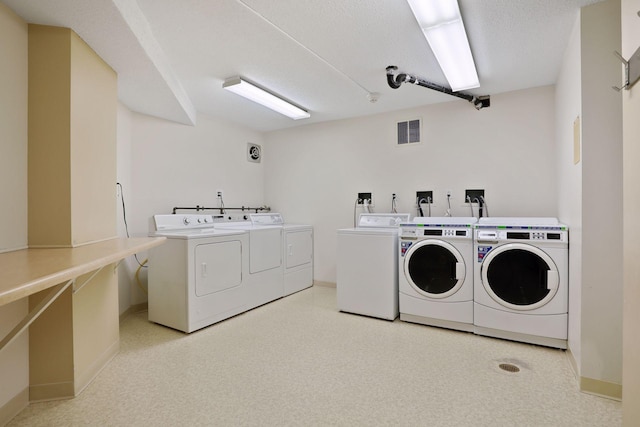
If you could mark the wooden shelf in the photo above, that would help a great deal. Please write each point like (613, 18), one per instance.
(28, 271)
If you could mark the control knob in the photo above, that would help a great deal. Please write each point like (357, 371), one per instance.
(186, 220)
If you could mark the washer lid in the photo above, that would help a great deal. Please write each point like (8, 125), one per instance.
(376, 220)
(266, 219)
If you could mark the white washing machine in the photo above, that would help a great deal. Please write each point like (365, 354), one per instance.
(297, 245)
(436, 272)
(197, 277)
(265, 281)
(521, 288)
(367, 266)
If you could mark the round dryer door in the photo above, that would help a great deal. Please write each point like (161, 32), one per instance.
(519, 276)
(434, 268)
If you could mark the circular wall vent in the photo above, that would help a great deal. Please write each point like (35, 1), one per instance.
(254, 153)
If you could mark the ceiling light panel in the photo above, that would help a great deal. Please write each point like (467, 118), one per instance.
(441, 24)
(256, 94)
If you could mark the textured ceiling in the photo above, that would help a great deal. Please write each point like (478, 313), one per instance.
(325, 55)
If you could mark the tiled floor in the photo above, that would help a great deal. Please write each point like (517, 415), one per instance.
(298, 361)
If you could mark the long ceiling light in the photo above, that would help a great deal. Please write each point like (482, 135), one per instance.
(442, 25)
(250, 91)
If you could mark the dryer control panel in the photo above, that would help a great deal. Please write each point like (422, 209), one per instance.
(535, 235)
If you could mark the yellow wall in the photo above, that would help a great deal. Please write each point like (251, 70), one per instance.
(14, 368)
(49, 135)
(72, 134)
(72, 180)
(93, 117)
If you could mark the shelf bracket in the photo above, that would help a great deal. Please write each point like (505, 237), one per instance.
(90, 278)
(55, 292)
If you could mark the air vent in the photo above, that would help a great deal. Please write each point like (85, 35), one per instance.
(409, 132)
(254, 152)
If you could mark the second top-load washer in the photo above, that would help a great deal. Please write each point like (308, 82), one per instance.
(436, 272)
(297, 242)
(265, 278)
(367, 266)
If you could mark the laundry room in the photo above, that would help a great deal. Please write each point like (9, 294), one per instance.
(553, 149)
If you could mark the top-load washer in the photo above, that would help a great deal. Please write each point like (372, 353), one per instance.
(436, 272)
(521, 288)
(197, 277)
(297, 245)
(367, 266)
(265, 277)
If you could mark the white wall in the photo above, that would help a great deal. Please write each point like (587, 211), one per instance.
(601, 195)
(313, 173)
(14, 360)
(590, 195)
(163, 164)
(126, 282)
(631, 322)
(568, 108)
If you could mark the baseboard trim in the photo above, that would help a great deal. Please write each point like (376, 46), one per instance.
(325, 284)
(137, 308)
(52, 391)
(14, 406)
(573, 363)
(601, 388)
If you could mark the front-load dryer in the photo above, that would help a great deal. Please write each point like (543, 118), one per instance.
(435, 275)
(521, 288)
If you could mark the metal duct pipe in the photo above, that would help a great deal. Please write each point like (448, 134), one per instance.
(395, 82)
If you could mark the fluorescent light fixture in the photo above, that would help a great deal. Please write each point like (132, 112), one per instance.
(254, 93)
(442, 25)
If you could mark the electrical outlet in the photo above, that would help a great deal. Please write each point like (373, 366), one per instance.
(364, 196)
(220, 195)
(474, 195)
(424, 196)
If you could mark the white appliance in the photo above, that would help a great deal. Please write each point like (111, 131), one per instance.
(197, 277)
(367, 266)
(265, 279)
(297, 245)
(521, 288)
(436, 272)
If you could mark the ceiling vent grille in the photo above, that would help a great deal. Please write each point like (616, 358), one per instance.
(409, 132)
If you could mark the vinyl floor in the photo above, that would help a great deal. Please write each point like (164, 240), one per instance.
(299, 361)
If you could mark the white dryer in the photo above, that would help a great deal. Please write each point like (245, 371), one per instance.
(196, 277)
(265, 279)
(367, 266)
(435, 276)
(521, 288)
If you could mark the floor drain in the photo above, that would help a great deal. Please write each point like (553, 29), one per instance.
(508, 367)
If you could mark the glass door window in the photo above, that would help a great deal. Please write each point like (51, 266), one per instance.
(434, 268)
(519, 276)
